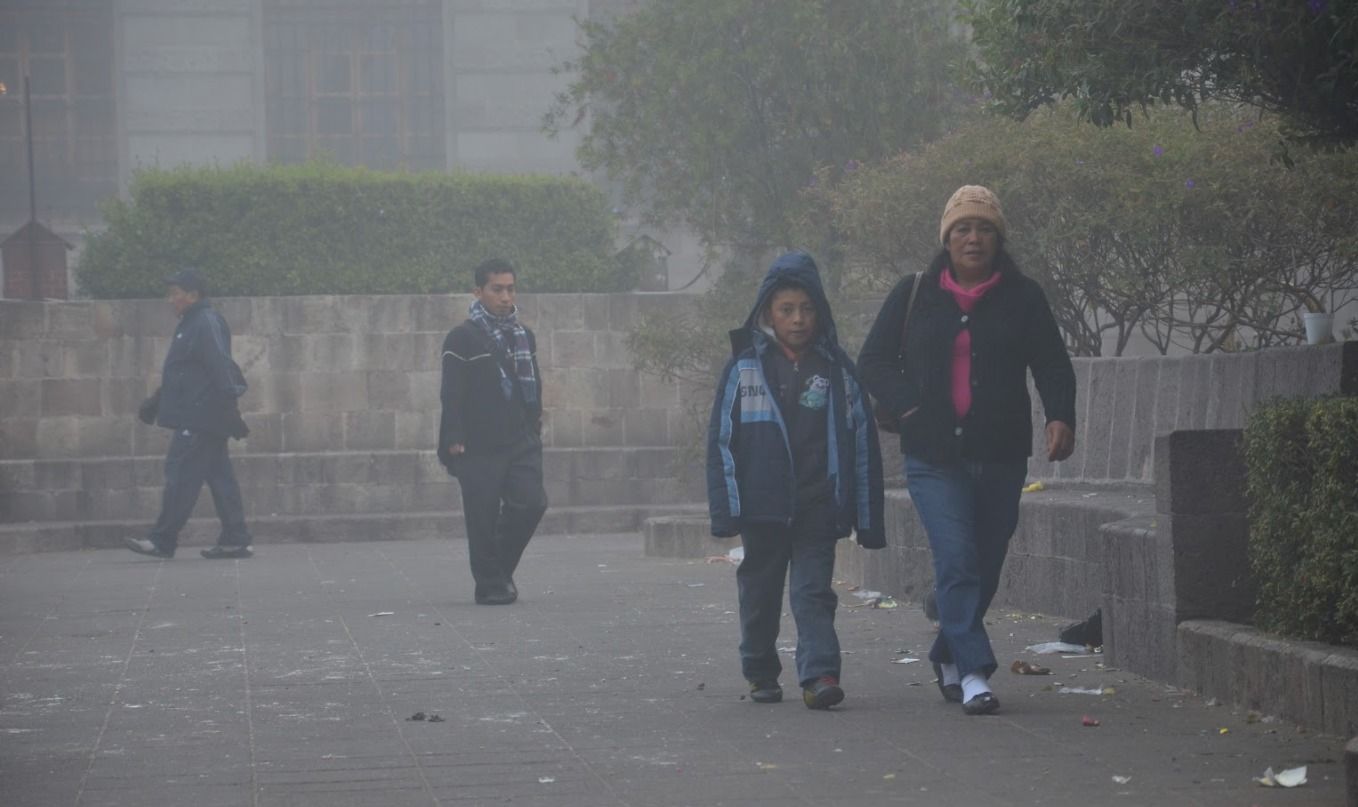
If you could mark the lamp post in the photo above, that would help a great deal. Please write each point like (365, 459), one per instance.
(34, 276)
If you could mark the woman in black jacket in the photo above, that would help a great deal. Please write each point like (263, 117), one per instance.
(955, 379)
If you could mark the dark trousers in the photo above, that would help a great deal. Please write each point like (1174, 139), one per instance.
(195, 459)
(808, 548)
(503, 500)
(969, 512)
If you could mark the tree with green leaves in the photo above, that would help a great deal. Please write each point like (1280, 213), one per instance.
(715, 113)
(1295, 58)
(1189, 236)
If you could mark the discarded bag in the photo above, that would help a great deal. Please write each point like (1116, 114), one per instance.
(1088, 633)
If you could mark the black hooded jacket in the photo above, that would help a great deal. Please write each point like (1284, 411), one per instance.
(200, 382)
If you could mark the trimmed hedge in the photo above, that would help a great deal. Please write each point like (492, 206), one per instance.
(320, 228)
(1302, 459)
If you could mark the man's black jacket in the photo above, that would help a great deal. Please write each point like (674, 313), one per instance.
(200, 382)
(475, 411)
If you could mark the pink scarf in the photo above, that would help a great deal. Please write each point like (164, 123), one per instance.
(961, 347)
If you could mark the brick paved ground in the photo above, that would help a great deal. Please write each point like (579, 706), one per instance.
(613, 681)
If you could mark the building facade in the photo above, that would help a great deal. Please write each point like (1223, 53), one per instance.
(391, 84)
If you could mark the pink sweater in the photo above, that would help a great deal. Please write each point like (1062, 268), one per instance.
(961, 347)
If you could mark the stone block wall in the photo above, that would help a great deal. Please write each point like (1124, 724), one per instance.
(338, 383)
(1122, 405)
(343, 408)
(325, 373)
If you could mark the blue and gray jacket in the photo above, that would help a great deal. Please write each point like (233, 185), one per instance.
(750, 474)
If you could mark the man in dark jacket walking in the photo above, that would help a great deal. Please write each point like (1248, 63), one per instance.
(490, 431)
(793, 465)
(197, 399)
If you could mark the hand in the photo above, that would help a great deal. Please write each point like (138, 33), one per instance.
(148, 410)
(456, 449)
(1060, 441)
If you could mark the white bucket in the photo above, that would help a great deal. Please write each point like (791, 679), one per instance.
(1319, 327)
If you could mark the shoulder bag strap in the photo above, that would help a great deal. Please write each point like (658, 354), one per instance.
(909, 309)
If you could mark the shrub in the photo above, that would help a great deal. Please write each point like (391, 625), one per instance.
(1302, 459)
(321, 228)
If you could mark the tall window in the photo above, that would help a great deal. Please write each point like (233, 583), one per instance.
(360, 81)
(66, 48)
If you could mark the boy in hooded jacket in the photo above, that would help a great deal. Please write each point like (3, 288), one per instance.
(793, 465)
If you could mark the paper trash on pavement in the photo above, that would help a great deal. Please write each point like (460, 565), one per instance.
(734, 557)
(1292, 777)
(1055, 647)
(905, 660)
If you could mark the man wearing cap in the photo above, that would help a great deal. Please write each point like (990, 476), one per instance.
(200, 384)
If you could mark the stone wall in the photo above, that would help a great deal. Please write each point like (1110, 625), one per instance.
(343, 409)
(325, 373)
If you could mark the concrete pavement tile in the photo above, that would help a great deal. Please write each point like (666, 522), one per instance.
(272, 672)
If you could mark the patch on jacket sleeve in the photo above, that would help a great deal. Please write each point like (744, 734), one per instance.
(756, 404)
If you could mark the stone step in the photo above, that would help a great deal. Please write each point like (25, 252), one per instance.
(333, 483)
(73, 535)
(687, 535)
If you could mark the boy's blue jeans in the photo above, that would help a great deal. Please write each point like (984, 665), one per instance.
(969, 512)
(808, 547)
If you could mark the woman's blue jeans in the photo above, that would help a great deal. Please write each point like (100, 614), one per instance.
(969, 512)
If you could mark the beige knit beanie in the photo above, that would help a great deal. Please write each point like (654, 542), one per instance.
(972, 202)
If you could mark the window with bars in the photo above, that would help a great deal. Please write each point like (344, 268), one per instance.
(66, 49)
(358, 81)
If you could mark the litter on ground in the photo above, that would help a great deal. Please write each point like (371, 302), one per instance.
(1055, 647)
(1292, 777)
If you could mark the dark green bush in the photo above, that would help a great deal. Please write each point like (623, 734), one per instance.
(1302, 459)
(321, 228)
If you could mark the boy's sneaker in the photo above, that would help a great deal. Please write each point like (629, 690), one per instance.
(823, 693)
(766, 692)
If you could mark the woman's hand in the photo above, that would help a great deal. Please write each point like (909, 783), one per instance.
(1060, 441)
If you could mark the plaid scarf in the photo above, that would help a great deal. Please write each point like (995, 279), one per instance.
(512, 338)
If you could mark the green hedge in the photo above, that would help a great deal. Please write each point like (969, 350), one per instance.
(1302, 459)
(321, 228)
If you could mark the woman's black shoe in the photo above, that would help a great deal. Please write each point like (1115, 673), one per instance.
(984, 704)
(952, 693)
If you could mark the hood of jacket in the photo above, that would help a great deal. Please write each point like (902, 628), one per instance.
(796, 269)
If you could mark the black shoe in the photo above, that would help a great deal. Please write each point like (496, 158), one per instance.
(766, 691)
(500, 596)
(952, 693)
(143, 546)
(220, 552)
(823, 693)
(984, 704)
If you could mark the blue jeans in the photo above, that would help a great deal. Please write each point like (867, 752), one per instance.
(808, 546)
(193, 460)
(969, 512)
